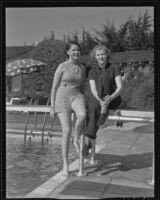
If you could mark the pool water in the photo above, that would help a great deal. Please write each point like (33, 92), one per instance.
(29, 166)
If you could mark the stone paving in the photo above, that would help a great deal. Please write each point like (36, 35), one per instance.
(125, 166)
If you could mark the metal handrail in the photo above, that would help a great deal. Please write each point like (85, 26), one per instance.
(35, 120)
(27, 119)
(44, 122)
(26, 123)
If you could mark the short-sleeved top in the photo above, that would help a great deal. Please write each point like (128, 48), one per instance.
(71, 76)
(104, 78)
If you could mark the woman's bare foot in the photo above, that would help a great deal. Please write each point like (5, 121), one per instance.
(65, 171)
(94, 162)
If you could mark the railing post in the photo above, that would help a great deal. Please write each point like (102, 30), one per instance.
(35, 114)
(81, 159)
(151, 182)
(26, 123)
(44, 122)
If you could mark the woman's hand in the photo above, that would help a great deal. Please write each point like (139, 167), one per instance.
(102, 103)
(107, 99)
(52, 113)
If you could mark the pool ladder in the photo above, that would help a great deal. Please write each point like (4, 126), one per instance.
(35, 101)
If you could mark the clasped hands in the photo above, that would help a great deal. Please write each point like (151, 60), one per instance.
(105, 101)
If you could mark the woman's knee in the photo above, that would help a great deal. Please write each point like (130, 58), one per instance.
(93, 112)
(82, 115)
(95, 105)
(91, 135)
(66, 131)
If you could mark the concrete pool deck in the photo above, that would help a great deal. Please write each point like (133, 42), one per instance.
(125, 166)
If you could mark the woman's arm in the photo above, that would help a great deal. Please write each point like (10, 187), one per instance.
(117, 92)
(94, 89)
(84, 79)
(56, 82)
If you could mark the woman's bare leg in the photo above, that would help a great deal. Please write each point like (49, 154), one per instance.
(65, 119)
(80, 111)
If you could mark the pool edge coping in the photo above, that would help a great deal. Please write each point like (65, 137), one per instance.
(52, 183)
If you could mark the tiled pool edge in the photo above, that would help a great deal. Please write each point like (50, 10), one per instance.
(44, 189)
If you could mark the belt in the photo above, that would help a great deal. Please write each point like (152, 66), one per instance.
(69, 84)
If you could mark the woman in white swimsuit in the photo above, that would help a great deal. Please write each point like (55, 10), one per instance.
(67, 97)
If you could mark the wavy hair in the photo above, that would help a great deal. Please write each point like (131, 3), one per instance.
(70, 43)
(99, 47)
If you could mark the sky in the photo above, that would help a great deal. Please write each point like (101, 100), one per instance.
(28, 25)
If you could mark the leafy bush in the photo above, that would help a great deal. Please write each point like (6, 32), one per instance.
(50, 51)
(39, 83)
(139, 93)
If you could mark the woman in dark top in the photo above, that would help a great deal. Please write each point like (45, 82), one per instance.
(105, 87)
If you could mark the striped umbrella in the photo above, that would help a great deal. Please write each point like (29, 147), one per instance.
(22, 66)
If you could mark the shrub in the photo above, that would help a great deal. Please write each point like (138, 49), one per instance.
(50, 51)
(139, 93)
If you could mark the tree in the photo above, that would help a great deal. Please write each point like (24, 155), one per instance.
(108, 36)
(87, 42)
(132, 35)
(140, 35)
(52, 35)
(74, 37)
(122, 35)
(64, 38)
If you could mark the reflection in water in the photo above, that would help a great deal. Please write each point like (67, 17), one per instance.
(28, 167)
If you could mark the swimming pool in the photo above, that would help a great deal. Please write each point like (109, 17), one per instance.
(29, 166)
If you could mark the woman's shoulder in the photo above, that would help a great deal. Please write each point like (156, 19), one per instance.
(92, 67)
(62, 65)
(114, 66)
(83, 65)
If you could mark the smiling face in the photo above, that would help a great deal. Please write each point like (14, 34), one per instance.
(74, 52)
(101, 57)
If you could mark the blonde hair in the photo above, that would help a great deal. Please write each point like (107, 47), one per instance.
(98, 47)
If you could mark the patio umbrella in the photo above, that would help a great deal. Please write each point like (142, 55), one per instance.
(21, 66)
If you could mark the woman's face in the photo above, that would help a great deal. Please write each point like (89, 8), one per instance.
(74, 52)
(101, 57)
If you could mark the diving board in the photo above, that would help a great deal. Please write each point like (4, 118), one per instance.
(38, 108)
(28, 108)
